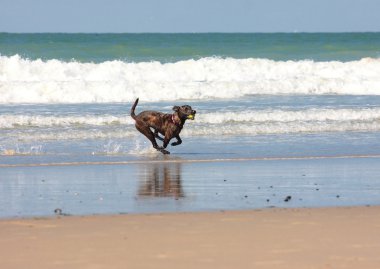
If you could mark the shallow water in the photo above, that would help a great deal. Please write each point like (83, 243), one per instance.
(90, 130)
(166, 186)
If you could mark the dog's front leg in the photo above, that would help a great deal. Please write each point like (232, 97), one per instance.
(179, 141)
(158, 136)
(166, 141)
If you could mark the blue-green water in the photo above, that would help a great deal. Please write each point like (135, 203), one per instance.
(174, 47)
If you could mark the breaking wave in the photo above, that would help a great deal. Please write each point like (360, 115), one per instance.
(251, 122)
(53, 81)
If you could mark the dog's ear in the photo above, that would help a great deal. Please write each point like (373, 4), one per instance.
(176, 108)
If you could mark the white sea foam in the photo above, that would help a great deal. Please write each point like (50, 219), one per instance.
(45, 128)
(236, 129)
(282, 121)
(281, 128)
(17, 121)
(308, 115)
(10, 121)
(54, 81)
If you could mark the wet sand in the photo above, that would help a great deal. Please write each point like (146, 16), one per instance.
(345, 237)
(183, 185)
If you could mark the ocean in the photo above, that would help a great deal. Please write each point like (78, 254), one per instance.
(65, 98)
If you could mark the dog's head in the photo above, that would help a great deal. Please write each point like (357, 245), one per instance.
(185, 112)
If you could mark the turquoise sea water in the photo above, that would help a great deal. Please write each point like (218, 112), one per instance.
(174, 47)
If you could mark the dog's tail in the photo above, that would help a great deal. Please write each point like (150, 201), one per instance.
(133, 115)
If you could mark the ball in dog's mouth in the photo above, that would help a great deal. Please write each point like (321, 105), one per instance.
(190, 117)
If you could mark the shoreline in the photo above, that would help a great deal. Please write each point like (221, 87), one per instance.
(177, 160)
(62, 214)
(336, 237)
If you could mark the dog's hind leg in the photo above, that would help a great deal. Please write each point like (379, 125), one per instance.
(145, 130)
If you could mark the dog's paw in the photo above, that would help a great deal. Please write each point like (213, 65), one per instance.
(163, 151)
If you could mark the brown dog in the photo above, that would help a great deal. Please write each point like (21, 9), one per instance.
(169, 125)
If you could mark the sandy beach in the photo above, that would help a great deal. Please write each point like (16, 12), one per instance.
(272, 238)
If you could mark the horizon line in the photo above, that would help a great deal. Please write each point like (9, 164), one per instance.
(211, 32)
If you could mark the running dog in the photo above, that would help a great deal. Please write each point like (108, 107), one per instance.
(168, 125)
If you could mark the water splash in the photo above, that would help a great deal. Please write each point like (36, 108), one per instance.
(112, 147)
(21, 150)
(143, 148)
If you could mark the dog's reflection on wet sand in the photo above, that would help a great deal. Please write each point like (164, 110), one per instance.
(161, 180)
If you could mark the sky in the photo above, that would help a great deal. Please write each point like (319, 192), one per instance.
(168, 16)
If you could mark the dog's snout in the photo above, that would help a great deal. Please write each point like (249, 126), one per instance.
(194, 111)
